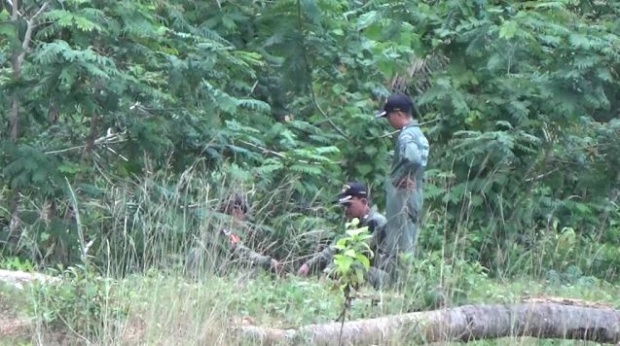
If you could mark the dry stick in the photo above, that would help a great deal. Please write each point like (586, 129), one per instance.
(547, 320)
(347, 306)
(263, 150)
(395, 132)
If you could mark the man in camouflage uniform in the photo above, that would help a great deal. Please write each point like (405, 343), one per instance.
(224, 247)
(354, 198)
(404, 188)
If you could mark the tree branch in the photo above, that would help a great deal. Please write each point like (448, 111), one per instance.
(15, 10)
(389, 134)
(30, 26)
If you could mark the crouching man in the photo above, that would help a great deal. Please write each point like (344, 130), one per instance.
(225, 248)
(354, 198)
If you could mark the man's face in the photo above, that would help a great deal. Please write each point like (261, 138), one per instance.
(395, 119)
(355, 208)
(238, 214)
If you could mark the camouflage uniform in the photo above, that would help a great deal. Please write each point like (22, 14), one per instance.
(376, 226)
(405, 184)
(404, 205)
(223, 249)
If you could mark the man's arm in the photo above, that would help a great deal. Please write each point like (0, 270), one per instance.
(246, 254)
(321, 259)
(377, 234)
(252, 257)
(413, 153)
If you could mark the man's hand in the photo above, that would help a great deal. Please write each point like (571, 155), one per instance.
(405, 183)
(276, 266)
(303, 270)
(233, 239)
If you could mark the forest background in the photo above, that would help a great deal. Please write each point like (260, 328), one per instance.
(124, 122)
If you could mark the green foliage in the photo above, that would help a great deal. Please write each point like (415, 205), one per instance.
(352, 261)
(15, 263)
(126, 101)
(434, 281)
(80, 302)
(126, 123)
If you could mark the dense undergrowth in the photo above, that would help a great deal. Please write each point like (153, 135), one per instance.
(161, 309)
(127, 122)
(163, 303)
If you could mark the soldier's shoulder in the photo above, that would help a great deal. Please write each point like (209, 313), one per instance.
(410, 132)
(379, 218)
(414, 134)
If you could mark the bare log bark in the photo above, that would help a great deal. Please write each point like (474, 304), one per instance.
(18, 278)
(546, 320)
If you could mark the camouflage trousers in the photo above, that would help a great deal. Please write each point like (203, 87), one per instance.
(221, 260)
(402, 213)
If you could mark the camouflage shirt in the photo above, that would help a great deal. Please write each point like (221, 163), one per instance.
(410, 159)
(404, 190)
(224, 248)
(375, 222)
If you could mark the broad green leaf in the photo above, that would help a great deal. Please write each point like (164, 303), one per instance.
(350, 253)
(363, 260)
(508, 30)
(366, 19)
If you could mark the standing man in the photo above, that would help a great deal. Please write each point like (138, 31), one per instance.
(355, 200)
(404, 188)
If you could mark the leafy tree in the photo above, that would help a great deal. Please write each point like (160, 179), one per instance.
(140, 104)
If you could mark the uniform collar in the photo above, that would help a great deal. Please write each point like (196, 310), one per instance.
(367, 215)
(412, 123)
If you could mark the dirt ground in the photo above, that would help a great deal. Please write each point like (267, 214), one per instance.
(13, 328)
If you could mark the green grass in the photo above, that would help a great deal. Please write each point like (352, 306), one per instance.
(166, 307)
(161, 309)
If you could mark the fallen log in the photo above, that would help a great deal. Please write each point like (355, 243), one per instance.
(547, 320)
(18, 278)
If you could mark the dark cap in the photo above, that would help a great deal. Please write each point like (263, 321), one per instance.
(350, 190)
(396, 102)
(235, 201)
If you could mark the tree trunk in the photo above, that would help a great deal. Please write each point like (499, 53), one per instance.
(544, 320)
(17, 61)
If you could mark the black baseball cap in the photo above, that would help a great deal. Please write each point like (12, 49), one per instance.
(350, 190)
(235, 201)
(396, 102)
